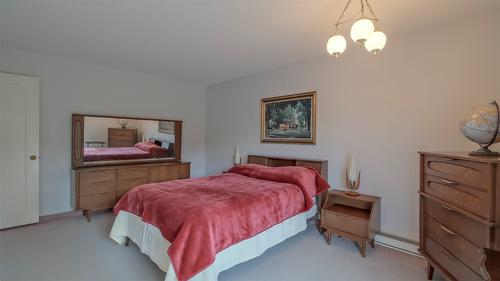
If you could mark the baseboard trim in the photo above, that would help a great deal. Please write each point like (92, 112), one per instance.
(398, 243)
(57, 216)
(70, 214)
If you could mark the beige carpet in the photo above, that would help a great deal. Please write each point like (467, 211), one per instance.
(71, 249)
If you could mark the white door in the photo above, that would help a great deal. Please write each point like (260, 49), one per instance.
(18, 150)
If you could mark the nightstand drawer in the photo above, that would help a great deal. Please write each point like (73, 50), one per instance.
(466, 197)
(465, 251)
(457, 269)
(344, 223)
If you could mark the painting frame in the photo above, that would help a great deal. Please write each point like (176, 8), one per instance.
(265, 138)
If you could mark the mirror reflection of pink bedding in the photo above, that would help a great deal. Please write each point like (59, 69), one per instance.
(142, 150)
(114, 153)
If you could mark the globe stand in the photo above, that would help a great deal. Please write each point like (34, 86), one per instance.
(484, 150)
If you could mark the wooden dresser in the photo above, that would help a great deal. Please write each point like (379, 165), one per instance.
(120, 137)
(459, 213)
(98, 188)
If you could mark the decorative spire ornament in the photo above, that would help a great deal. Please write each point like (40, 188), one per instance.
(353, 177)
(237, 157)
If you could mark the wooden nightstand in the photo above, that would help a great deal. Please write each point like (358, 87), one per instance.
(354, 217)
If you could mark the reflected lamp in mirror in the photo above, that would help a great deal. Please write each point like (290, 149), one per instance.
(123, 123)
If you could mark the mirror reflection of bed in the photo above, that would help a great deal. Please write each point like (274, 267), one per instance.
(112, 139)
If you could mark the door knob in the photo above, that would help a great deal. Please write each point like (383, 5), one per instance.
(33, 157)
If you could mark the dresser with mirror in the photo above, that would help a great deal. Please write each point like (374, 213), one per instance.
(113, 154)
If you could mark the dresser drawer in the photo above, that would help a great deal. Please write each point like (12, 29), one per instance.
(121, 143)
(122, 138)
(466, 227)
(169, 172)
(119, 194)
(343, 223)
(98, 201)
(121, 133)
(131, 177)
(464, 172)
(465, 251)
(451, 264)
(466, 197)
(95, 182)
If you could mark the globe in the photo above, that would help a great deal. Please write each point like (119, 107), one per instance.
(481, 125)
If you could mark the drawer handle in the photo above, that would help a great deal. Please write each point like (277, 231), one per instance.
(447, 208)
(99, 182)
(447, 159)
(448, 181)
(445, 229)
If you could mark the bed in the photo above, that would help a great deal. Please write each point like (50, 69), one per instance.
(252, 208)
(142, 150)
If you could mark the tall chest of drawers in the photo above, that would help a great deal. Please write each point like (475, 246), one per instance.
(459, 213)
(121, 137)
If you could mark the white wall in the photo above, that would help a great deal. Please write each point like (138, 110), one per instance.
(384, 108)
(68, 86)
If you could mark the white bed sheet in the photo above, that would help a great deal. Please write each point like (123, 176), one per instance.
(149, 239)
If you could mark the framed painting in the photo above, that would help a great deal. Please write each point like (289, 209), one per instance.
(289, 119)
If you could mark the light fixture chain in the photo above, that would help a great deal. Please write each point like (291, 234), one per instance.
(371, 10)
(343, 12)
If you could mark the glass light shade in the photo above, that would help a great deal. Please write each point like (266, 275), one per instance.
(336, 45)
(361, 30)
(376, 42)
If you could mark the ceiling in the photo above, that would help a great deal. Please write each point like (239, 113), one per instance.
(207, 41)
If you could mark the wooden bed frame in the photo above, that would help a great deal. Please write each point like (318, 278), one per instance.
(319, 165)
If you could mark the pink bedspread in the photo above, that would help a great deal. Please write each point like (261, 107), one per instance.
(201, 217)
(114, 153)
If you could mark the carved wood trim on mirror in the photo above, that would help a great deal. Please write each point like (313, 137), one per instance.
(77, 140)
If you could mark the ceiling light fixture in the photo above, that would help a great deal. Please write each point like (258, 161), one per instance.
(364, 31)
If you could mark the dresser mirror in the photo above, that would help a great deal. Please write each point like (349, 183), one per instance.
(111, 140)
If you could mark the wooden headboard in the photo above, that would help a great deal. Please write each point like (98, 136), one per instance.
(320, 165)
